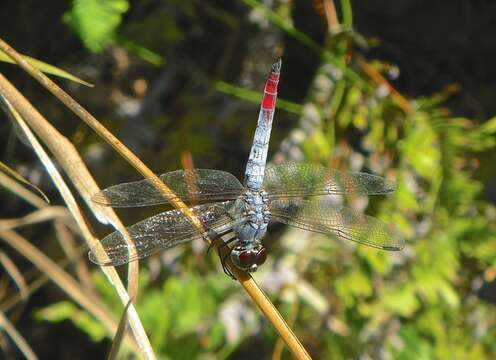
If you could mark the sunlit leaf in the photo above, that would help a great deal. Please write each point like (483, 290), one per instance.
(96, 21)
(65, 310)
(11, 172)
(46, 68)
(402, 300)
(353, 285)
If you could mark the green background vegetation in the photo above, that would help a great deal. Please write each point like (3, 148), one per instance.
(179, 78)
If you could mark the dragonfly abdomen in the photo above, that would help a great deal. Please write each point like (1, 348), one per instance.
(255, 167)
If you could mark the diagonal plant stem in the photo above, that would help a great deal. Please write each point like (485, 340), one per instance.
(119, 335)
(376, 77)
(271, 313)
(250, 286)
(15, 274)
(331, 16)
(16, 337)
(35, 284)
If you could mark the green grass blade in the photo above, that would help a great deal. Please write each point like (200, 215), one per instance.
(46, 68)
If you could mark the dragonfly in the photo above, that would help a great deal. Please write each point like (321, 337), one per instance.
(280, 193)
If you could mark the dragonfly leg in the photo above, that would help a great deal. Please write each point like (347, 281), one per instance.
(226, 255)
(215, 237)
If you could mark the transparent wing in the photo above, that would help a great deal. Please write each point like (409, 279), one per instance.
(190, 185)
(162, 231)
(299, 180)
(343, 223)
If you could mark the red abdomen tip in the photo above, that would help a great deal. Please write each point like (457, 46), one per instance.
(270, 90)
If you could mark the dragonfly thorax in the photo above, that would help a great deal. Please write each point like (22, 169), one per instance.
(253, 208)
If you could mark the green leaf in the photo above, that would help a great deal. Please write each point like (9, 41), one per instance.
(353, 285)
(361, 117)
(421, 148)
(317, 147)
(415, 347)
(46, 68)
(406, 198)
(65, 310)
(188, 304)
(96, 21)
(140, 51)
(156, 317)
(402, 301)
(378, 260)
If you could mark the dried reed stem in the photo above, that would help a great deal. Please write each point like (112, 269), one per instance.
(22, 345)
(68, 158)
(332, 18)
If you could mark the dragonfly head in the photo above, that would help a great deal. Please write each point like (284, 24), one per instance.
(248, 258)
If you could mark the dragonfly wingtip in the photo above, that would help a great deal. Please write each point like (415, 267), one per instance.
(396, 247)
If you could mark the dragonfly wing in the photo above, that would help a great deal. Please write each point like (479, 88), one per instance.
(343, 223)
(161, 231)
(299, 180)
(189, 185)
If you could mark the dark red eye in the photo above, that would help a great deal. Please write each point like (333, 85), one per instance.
(261, 256)
(247, 257)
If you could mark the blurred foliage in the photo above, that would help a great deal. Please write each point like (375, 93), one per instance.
(421, 303)
(65, 310)
(95, 21)
(181, 317)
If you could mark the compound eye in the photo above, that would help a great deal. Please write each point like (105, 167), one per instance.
(247, 258)
(261, 256)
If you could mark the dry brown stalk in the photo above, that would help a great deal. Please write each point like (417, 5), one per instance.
(16, 337)
(70, 161)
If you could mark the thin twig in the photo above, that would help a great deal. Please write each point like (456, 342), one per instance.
(271, 313)
(17, 338)
(376, 77)
(119, 335)
(332, 18)
(36, 284)
(16, 276)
